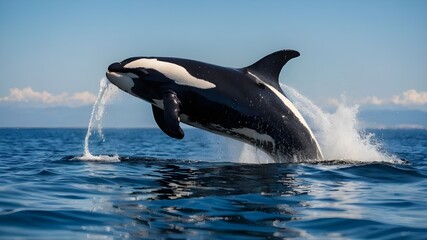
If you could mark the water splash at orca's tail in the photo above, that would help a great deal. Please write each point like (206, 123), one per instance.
(339, 134)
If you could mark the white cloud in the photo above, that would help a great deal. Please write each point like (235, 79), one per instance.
(373, 101)
(85, 97)
(28, 95)
(410, 97)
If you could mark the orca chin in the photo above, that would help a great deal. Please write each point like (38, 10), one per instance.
(246, 104)
(121, 80)
(115, 77)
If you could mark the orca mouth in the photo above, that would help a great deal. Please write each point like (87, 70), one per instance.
(116, 73)
(113, 75)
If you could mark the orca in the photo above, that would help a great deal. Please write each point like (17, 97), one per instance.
(246, 103)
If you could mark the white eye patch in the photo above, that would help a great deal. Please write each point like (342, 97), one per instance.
(172, 71)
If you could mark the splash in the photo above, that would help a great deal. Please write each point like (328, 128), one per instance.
(106, 92)
(339, 134)
(237, 151)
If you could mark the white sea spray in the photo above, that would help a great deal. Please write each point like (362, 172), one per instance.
(339, 134)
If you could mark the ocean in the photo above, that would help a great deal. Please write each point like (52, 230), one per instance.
(197, 188)
(97, 183)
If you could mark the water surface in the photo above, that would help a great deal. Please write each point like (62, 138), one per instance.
(198, 188)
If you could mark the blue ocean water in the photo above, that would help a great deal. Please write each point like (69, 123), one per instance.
(196, 188)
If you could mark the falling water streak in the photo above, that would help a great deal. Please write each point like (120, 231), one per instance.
(106, 92)
(95, 117)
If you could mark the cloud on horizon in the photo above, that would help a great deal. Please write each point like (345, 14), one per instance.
(408, 98)
(29, 96)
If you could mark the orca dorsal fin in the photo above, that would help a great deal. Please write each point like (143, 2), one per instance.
(268, 68)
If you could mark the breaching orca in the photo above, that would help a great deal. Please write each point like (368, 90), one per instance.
(246, 104)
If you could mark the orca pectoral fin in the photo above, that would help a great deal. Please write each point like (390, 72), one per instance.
(168, 119)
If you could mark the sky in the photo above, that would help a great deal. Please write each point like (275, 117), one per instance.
(54, 53)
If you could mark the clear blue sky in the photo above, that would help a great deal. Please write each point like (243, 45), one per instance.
(358, 48)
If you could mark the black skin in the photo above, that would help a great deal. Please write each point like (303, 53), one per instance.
(239, 100)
